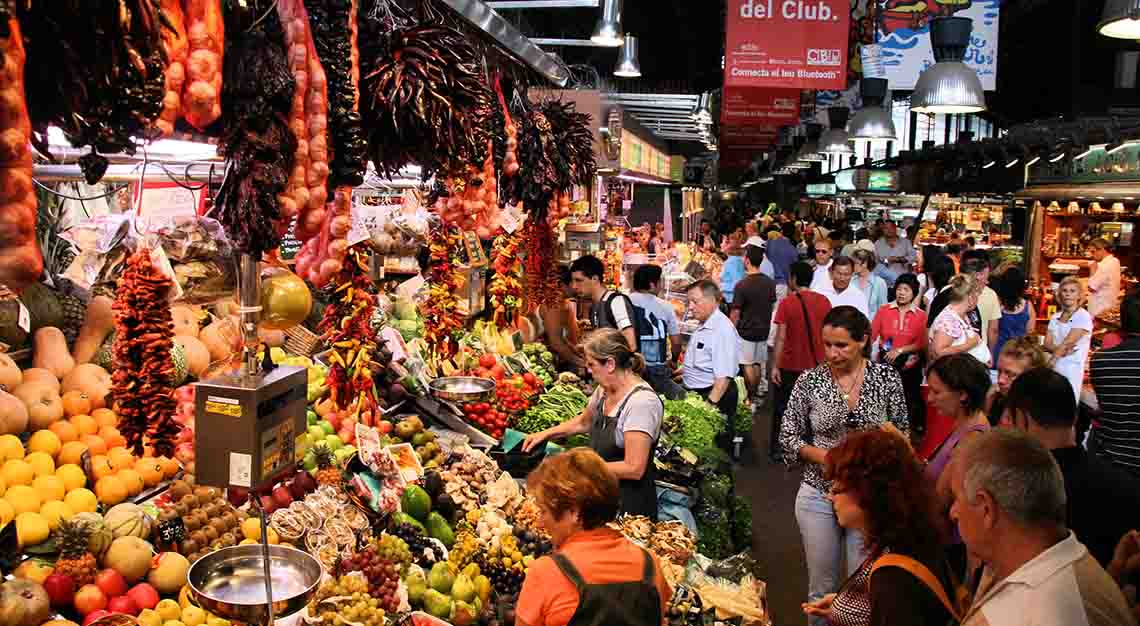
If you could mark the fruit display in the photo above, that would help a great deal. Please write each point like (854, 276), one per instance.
(208, 520)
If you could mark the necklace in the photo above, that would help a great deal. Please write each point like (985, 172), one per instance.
(855, 380)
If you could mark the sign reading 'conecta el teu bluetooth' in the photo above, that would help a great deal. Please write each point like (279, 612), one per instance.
(799, 44)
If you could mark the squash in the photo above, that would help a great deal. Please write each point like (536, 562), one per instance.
(222, 339)
(187, 320)
(90, 379)
(10, 374)
(197, 354)
(13, 414)
(45, 407)
(271, 338)
(98, 323)
(40, 375)
(50, 351)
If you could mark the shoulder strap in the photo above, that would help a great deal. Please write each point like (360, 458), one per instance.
(810, 330)
(569, 571)
(648, 575)
(922, 573)
(641, 387)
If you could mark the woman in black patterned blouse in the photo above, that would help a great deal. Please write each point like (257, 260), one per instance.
(846, 393)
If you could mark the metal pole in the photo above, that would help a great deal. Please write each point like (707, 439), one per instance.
(921, 214)
(249, 294)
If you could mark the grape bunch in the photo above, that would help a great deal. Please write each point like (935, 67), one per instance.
(355, 605)
(425, 552)
(383, 576)
(532, 543)
(507, 581)
(394, 549)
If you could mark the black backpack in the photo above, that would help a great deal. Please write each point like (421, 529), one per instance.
(648, 329)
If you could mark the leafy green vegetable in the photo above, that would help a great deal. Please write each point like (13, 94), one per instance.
(558, 404)
(693, 423)
(742, 421)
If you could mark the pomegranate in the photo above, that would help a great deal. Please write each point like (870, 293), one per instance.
(60, 588)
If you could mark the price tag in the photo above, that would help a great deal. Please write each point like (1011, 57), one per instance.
(24, 318)
(510, 220)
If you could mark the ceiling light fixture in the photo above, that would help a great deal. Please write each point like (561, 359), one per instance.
(989, 164)
(608, 30)
(627, 66)
(809, 153)
(873, 121)
(949, 86)
(1120, 19)
(835, 140)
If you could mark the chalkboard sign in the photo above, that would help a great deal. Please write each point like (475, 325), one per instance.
(289, 243)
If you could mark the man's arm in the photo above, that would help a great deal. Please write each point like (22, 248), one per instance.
(631, 338)
(674, 349)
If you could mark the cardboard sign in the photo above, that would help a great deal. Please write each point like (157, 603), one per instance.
(795, 44)
(168, 199)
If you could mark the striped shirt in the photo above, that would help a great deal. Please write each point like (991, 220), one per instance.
(1115, 375)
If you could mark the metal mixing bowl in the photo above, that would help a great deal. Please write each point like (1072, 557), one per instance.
(462, 389)
(231, 582)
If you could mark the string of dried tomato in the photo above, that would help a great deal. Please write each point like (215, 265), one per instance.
(143, 381)
(541, 285)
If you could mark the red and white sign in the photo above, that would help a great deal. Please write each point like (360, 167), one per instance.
(759, 106)
(169, 199)
(756, 137)
(796, 44)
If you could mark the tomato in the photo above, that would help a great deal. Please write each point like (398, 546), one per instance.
(487, 361)
(497, 372)
(529, 379)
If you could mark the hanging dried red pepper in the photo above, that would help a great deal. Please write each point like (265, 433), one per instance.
(442, 318)
(346, 328)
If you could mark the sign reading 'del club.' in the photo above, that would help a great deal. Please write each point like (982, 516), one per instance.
(800, 44)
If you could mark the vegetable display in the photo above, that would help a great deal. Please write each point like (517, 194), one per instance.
(505, 286)
(541, 285)
(310, 193)
(334, 35)
(202, 101)
(20, 259)
(558, 404)
(322, 256)
(177, 46)
(347, 329)
(442, 319)
(143, 379)
(693, 423)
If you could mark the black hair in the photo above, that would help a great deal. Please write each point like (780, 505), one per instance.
(423, 258)
(954, 248)
(964, 374)
(789, 230)
(837, 235)
(910, 280)
(862, 233)
(802, 273)
(772, 228)
(1130, 313)
(970, 242)
(755, 255)
(843, 261)
(1045, 396)
(645, 276)
(866, 257)
(942, 271)
(974, 266)
(977, 255)
(590, 266)
(564, 275)
(1009, 287)
(850, 319)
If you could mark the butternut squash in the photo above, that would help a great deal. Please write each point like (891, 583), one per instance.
(40, 375)
(13, 414)
(10, 374)
(271, 338)
(50, 351)
(197, 354)
(44, 405)
(222, 339)
(98, 324)
(187, 320)
(90, 379)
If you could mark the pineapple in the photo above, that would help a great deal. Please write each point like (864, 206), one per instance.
(74, 558)
(327, 473)
(51, 221)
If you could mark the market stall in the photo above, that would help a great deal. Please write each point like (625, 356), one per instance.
(217, 393)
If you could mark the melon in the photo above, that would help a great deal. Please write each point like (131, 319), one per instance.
(130, 556)
(105, 357)
(100, 536)
(127, 520)
(169, 572)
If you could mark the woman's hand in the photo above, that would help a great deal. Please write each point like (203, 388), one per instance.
(821, 607)
(893, 354)
(534, 439)
(777, 377)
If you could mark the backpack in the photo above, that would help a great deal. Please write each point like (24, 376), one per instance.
(650, 331)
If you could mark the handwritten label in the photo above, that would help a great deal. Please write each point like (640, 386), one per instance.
(241, 469)
(24, 318)
(290, 245)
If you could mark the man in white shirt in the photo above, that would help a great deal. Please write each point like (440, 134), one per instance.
(838, 288)
(1010, 508)
(1104, 284)
(821, 261)
(896, 252)
(711, 357)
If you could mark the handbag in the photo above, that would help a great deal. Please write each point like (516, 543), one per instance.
(809, 434)
(955, 606)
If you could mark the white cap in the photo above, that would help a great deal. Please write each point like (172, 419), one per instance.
(865, 244)
(756, 240)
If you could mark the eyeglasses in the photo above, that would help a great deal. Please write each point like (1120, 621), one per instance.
(822, 250)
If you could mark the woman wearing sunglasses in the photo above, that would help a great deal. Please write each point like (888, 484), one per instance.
(844, 394)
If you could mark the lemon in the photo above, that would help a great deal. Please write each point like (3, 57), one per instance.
(10, 448)
(193, 616)
(50, 487)
(17, 472)
(31, 529)
(150, 617)
(45, 441)
(251, 528)
(168, 610)
(41, 462)
(7, 513)
(54, 512)
(23, 499)
(82, 500)
(72, 476)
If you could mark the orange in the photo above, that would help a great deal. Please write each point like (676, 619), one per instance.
(120, 458)
(81, 500)
(170, 467)
(41, 463)
(86, 424)
(72, 476)
(101, 467)
(105, 417)
(45, 441)
(17, 472)
(50, 487)
(132, 480)
(108, 433)
(72, 452)
(117, 441)
(76, 403)
(110, 490)
(95, 443)
(66, 431)
(150, 470)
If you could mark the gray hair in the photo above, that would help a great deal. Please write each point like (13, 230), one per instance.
(706, 287)
(1018, 472)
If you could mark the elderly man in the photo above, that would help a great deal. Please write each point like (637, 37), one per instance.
(821, 262)
(838, 288)
(1009, 506)
(895, 252)
(711, 356)
(1104, 284)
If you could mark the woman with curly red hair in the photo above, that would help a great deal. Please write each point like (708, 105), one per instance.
(878, 488)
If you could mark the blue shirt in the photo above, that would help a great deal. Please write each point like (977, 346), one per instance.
(876, 293)
(711, 353)
(782, 254)
(732, 273)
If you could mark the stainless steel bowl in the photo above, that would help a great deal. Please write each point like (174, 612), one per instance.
(231, 582)
(461, 389)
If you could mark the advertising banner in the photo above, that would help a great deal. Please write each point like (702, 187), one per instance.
(759, 106)
(902, 29)
(793, 44)
(759, 138)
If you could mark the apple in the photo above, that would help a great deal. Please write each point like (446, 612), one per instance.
(334, 443)
(89, 599)
(268, 504)
(95, 615)
(60, 589)
(185, 393)
(316, 432)
(347, 435)
(123, 604)
(310, 461)
(385, 427)
(281, 497)
(342, 454)
(143, 595)
(184, 453)
(111, 582)
(326, 426)
(334, 419)
(311, 417)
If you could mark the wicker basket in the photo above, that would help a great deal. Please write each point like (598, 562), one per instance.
(302, 341)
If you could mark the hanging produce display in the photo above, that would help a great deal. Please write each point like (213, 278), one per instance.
(20, 260)
(101, 79)
(541, 285)
(206, 30)
(442, 318)
(506, 283)
(257, 141)
(471, 202)
(143, 379)
(177, 46)
(322, 256)
(334, 30)
(308, 71)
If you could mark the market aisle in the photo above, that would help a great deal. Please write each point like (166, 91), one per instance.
(776, 543)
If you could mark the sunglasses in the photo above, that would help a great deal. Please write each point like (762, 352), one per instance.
(824, 251)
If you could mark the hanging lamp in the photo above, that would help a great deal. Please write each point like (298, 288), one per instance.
(1120, 19)
(628, 66)
(608, 32)
(810, 153)
(873, 121)
(949, 86)
(835, 139)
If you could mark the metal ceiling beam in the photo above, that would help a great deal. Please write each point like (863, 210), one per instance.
(581, 43)
(652, 96)
(509, 37)
(541, 4)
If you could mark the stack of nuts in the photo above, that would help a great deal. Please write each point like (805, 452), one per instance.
(211, 522)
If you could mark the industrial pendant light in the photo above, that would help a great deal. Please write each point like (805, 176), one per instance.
(608, 30)
(1120, 19)
(949, 86)
(627, 66)
(835, 140)
(873, 121)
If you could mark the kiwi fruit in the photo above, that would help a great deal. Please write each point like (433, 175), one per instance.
(189, 546)
(178, 490)
(218, 524)
(211, 533)
(192, 522)
(199, 537)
